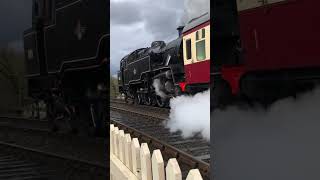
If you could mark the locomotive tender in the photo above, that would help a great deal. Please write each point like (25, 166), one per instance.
(66, 53)
(153, 75)
(264, 50)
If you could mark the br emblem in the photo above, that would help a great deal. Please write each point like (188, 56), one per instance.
(79, 30)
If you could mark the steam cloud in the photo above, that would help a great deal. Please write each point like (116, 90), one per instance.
(157, 86)
(279, 143)
(195, 8)
(191, 114)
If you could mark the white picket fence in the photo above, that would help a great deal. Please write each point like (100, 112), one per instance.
(130, 160)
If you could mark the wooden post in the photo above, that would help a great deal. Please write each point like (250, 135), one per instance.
(194, 174)
(136, 165)
(128, 152)
(121, 146)
(111, 139)
(157, 165)
(146, 173)
(173, 171)
(116, 142)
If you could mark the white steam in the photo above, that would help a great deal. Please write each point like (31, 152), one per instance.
(279, 143)
(190, 115)
(195, 8)
(157, 86)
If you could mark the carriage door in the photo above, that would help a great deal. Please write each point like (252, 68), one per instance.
(275, 30)
(252, 24)
(188, 60)
(225, 34)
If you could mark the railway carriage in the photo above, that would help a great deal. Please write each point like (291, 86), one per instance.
(196, 54)
(264, 50)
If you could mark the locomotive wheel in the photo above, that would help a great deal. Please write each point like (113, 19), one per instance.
(148, 100)
(98, 117)
(126, 99)
(137, 99)
(160, 101)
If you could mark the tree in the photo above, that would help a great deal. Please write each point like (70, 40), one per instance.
(12, 72)
(114, 90)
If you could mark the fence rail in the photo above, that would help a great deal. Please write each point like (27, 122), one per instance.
(133, 160)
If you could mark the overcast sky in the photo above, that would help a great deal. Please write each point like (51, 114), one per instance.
(15, 17)
(136, 23)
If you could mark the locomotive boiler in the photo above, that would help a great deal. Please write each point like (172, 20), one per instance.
(153, 75)
(66, 53)
(143, 69)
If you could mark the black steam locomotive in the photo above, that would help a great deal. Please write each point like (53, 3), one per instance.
(151, 75)
(66, 53)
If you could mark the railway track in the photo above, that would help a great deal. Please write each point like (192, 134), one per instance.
(190, 152)
(150, 108)
(68, 156)
(140, 110)
(13, 166)
(19, 163)
(23, 122)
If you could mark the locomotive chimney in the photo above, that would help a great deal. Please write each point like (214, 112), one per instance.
(180, 29)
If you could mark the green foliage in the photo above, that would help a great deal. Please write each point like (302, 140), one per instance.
(114, 89)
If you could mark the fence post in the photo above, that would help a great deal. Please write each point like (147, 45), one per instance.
(146, 173)
(115, 141)
(157, 165)
(135, 149)
(111, 139)
(194, 174)
(121, 146)
(128, 152)
(173, 171)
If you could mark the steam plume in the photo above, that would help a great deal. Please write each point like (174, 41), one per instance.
(191, 114)
(279, 143)
(158, 88)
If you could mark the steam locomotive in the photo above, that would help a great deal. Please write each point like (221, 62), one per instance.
(264, 50)
(66, 54)
(152, 75)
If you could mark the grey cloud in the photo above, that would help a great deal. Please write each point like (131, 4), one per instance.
(194, 8)
(15, 17)
(124, 13)
(162, 24)
(159, 20)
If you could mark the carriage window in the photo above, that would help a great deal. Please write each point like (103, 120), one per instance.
(197, 35)
(188, 48)
(201, 45)
(201, 50)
